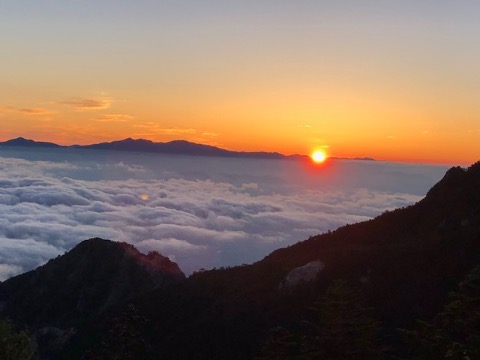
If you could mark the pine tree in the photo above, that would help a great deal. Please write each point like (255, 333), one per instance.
(14, 345)
(342, 327)
(281, 344)
(455, 333)
(124, 340)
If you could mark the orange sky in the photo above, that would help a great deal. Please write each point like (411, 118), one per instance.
(392, 81)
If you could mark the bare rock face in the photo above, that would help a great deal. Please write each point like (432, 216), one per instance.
(154, 263)
(302, 274)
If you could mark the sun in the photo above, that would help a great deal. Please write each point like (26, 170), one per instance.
(318, 156)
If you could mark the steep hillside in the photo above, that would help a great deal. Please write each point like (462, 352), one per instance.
(96, 275)
(405, 262)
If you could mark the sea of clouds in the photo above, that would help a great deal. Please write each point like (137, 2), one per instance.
(201, 212)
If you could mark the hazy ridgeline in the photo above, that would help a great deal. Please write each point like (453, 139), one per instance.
(201, 212)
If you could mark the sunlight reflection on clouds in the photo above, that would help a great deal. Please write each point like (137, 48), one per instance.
(202, 212)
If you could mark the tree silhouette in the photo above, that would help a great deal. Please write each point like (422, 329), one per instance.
(342, 327)
(14, 345)
(281, 344)
(124, 340)
(455, 333)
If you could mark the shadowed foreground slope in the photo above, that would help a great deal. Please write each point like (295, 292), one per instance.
(388, 272)
(405, 263)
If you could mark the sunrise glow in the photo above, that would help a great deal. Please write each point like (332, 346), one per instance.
(318, 156)
(247, 76)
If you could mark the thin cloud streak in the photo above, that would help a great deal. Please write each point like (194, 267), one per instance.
(80, 104)
(25, 111)
(114, 118)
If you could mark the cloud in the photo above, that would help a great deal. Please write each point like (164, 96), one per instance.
(26, 111)
(114, 118)
(204, 213)
(34, 111)
(169, 244)
(175, 131)
(7, 108)
(153, 128)
(206, 138)
(19, 255)
(7, 270)
(209, 134)
(80, 104)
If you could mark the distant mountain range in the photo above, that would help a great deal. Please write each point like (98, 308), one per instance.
(357, 290)
(22, 142)
(176, 147)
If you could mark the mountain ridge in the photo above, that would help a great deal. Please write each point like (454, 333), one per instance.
(175, 147)
(95, 275)
(22, 142)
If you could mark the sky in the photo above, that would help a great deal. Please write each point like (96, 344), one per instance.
(200, 212)
(393, 80)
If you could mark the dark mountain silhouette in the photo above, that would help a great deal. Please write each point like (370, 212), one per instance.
(405, 261)
(393, 270)
(95, 275)
(181, 147)
(176, 147)
(22, 142)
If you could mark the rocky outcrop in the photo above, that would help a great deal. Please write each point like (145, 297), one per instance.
(302, 274)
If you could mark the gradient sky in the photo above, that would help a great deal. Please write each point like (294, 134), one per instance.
(394, 80)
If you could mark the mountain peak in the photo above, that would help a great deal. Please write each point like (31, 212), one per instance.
(95, 275)
(131, 140)
(475, 168)
(21, 141)
(458, 183)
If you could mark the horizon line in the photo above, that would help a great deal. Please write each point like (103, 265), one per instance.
(356, 158)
